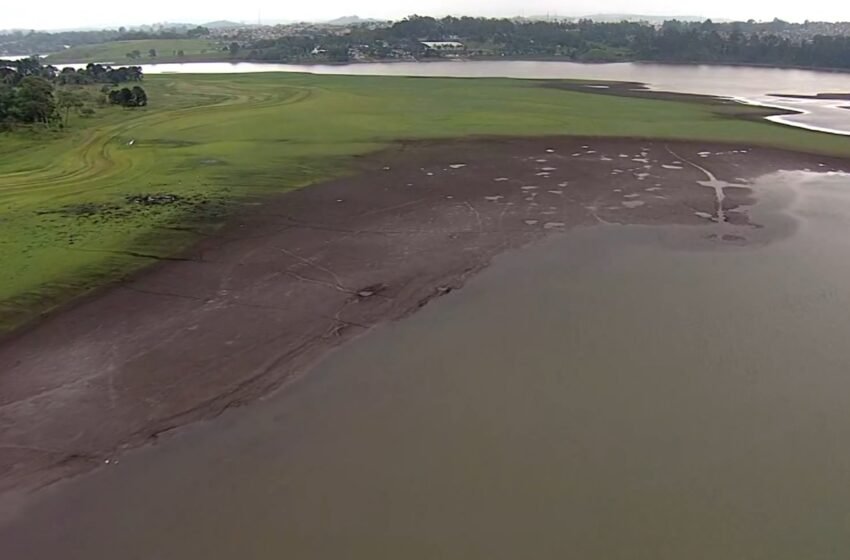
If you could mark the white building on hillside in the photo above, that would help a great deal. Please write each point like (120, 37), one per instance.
(446, 46)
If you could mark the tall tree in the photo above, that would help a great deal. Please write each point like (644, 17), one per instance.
(125, 97)
(34, 100)
(66, 101)
(140, 98)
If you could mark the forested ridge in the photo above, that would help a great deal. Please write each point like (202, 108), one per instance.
(777, 43)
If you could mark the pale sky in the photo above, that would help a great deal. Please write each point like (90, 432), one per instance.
(62, 14)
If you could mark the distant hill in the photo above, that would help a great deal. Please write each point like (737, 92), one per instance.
(223, 24)
(349, 20)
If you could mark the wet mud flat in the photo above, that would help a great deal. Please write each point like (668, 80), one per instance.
(292, 277)
(618, 391)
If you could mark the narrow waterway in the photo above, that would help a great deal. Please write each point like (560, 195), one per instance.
(713, 183)
(616, 392)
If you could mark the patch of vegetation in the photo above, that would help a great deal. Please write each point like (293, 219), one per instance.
(96, 74)
(41, 42)
(156, 199)
(775, 43)
(67, 225)
(84, 209)
(34, 94)
(139, 51)
(126, 97)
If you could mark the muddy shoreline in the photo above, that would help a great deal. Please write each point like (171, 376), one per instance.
(639, 90)
(291, 277)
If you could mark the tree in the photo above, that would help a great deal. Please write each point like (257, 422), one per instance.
(30, 66)
(7, 104)
(30, 92)
(234, 48)
(8, 76)
(198, 32)
(123, 97)
(140, 98)
(34, 100)
(181, 53)
(68, 100)
(127, 97)
(338, 54)
(152, 53)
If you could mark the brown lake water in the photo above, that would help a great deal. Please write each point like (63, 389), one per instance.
(615, 392)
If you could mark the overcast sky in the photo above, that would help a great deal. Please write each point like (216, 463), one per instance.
(62, 14)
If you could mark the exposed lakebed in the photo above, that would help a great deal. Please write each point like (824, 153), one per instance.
(666, 380)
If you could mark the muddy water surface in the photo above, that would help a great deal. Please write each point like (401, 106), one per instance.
(615, 392)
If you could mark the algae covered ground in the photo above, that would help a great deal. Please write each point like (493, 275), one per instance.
(123, 189)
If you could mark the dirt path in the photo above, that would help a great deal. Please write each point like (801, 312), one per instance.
(297, 275)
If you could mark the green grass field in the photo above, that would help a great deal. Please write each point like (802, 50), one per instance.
(116, 51)
(66, 225)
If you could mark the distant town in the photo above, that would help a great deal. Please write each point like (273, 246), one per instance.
(600, 38)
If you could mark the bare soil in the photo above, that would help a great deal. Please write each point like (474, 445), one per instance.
(828, 96)
(293, 276)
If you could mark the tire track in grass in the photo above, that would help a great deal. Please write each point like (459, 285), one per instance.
(101, 159)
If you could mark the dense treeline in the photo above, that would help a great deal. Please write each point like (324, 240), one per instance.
(327, 48)
(708, 42)
(810, 44)
(99, 74)
(33, 93)
(127, 97)
(775, 43)
(674, 41)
